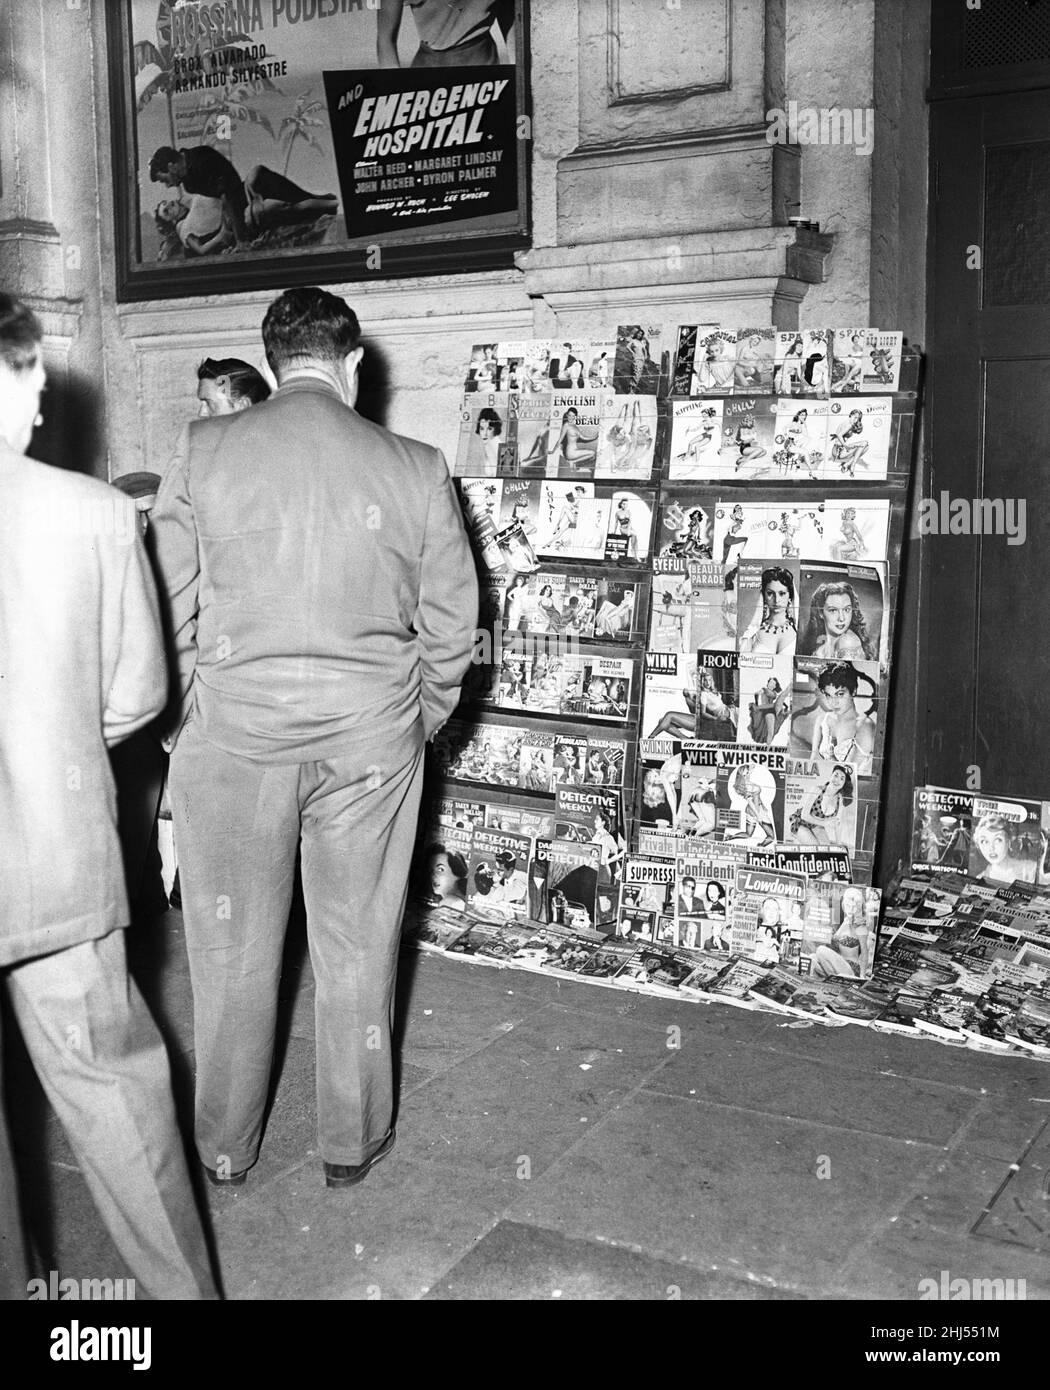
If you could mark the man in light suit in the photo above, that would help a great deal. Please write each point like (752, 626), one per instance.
(81, 668)
(323, 606)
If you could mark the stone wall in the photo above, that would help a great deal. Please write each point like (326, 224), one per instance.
(656, 198)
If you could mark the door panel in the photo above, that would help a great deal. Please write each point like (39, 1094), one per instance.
(986, 635)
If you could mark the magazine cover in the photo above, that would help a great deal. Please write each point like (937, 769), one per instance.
(767, 607)
(756, 531)
(683, 374)
(767, 915)
(717, 696)
(442, 867)
(600, 358)
(805, 996)
(572, 884)
(539, 866)
(992, 839)
(704, 888)
(835, 712)
(646, 897)
(755, 353)
(855, 531)
(883, 361)
(685, 526)
(669, 703)
(800, 438)
(567, 364)
(695, 441)
(606, 760)
(750, 795)
(859, 438)
(480, 500)
(627, 441)
(660, 789)
(488, 753)
(616, 606)
(536, 761)
(698, 806)
(820, 803)
(714, 365)
(848, 359)
(606, 962)
(519, 502)
(816, 361)
(765, 699)
(749, 447)
(498, 884)
(788, 363)
(572, 521)
(657, 967)
(636, 371)
(432, 929)
(599, 687)
(573, 432)
(840, 930)
(594, 816)
(735, 983)
(831, 862)
(461, 813)
(669, 618)
(535, 453)
(520, 820)
(570, 761)
(843, 614)
(484, 436)
(630, 527)
(712, 607)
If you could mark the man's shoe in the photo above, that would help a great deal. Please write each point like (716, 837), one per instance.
(347, 1174)
(230, 1180)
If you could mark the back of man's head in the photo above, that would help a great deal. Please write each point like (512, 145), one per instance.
(242, 380)
(309, 325)
(20, 335)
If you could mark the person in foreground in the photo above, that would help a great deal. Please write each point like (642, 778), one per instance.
(323, 608)
(83, 668)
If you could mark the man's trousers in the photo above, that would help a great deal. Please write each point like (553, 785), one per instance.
(103, 1066)
(238, 825)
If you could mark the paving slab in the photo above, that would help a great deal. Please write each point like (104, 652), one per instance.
(516, 1262)
(814, 1089)
(391, 1237)
(724, 1189)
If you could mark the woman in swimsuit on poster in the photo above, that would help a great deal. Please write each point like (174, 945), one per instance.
(733, 537)
(848, 954)
(769, 711)
(713, 710)
(789, 374)
(847, 446)
(750, 451)
(837, 629)
(817, 821)
(852, 546)
(745, 797)
(843, 734)
(623, 525)
(568, 518)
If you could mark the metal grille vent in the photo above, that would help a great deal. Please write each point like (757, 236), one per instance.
(1004, 33)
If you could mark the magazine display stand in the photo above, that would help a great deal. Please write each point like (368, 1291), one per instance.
(625, 538)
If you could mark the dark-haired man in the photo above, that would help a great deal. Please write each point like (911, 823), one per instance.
(83, 668)
(202, 169)
(228, 384)
(324, 603)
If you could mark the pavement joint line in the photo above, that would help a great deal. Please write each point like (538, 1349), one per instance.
(802, 1120)
(1014, 1168)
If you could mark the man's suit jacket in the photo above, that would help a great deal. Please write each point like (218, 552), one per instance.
(81, 667)
(322, 589)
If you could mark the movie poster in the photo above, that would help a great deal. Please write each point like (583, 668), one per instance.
(315, 135)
